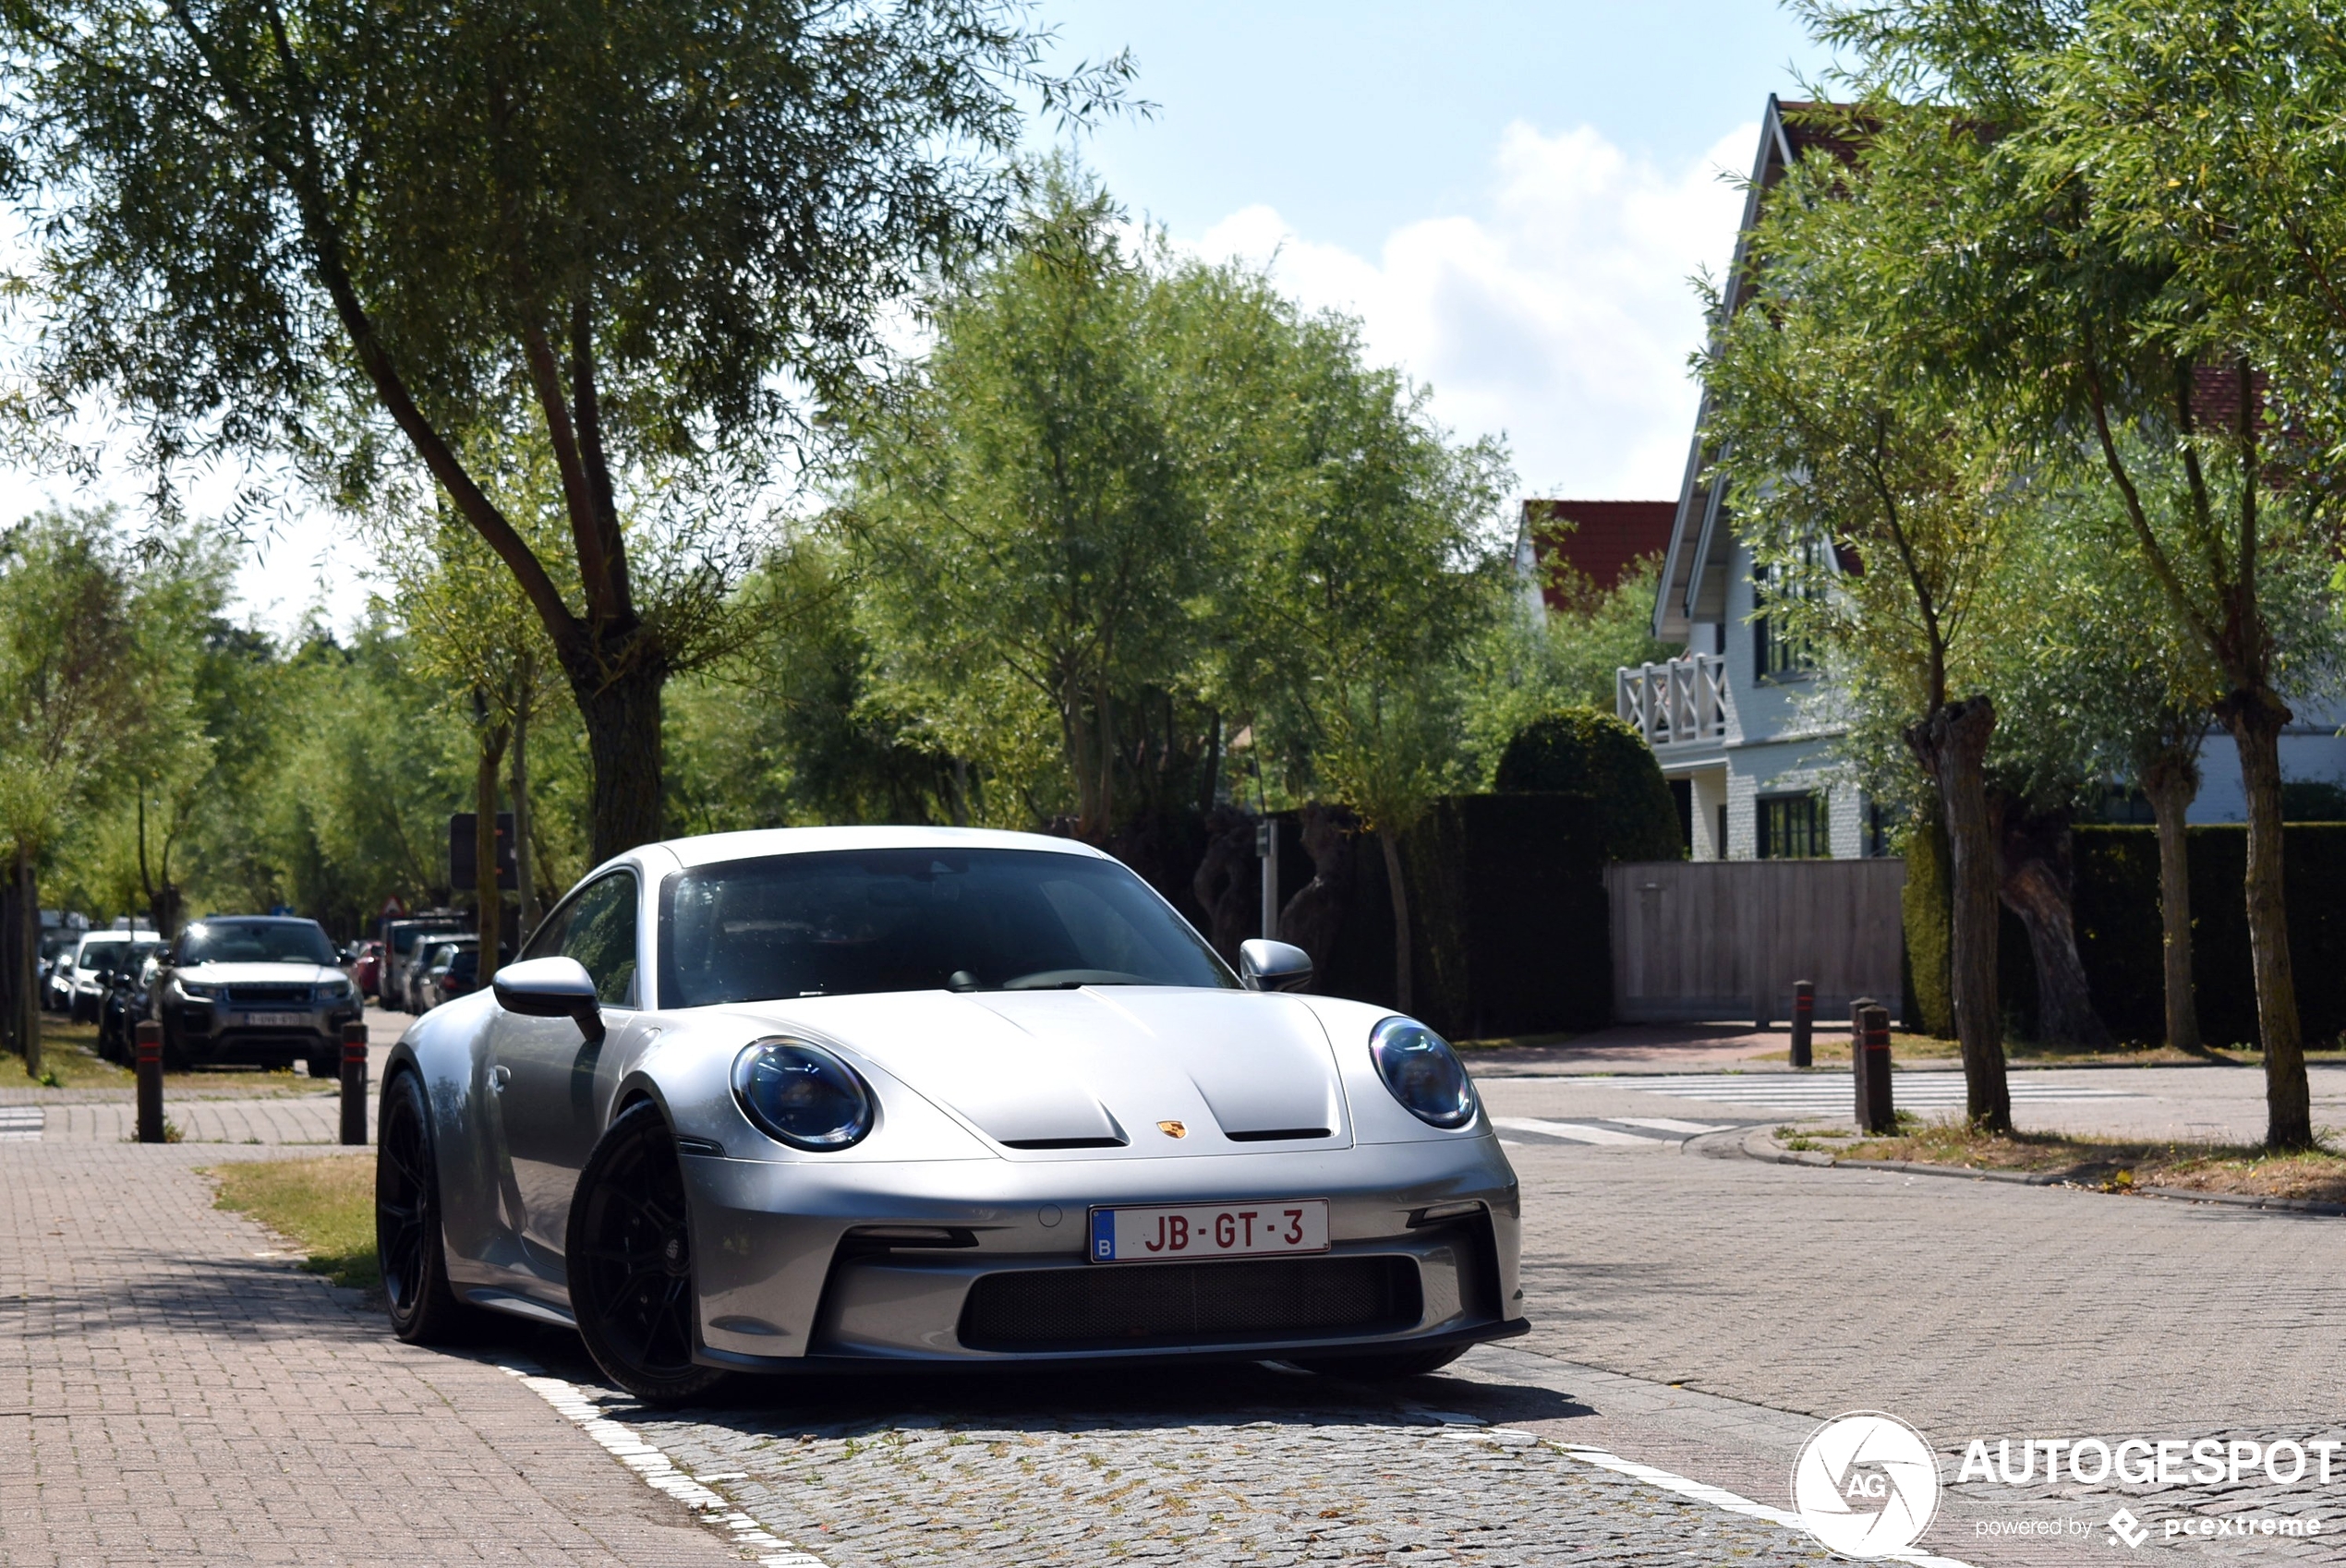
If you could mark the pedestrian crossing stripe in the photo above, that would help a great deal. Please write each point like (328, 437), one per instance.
(20, 1123)
(1615, 1133)
(1910, 1089)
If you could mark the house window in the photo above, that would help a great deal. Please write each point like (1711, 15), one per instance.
(1775, 653)
(1794, 827)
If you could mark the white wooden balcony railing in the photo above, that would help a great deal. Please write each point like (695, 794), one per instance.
(1674, 702)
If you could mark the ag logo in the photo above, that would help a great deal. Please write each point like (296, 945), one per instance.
(1867, 1483)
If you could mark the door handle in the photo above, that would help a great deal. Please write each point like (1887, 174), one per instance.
(499, 1076)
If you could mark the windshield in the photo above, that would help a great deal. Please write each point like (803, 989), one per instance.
(404, 941)
(918, 919)
(254, 942)
(102, 955)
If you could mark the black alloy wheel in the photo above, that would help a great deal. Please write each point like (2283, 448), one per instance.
(424, 1309)
(1381, 1369)
(629, 1252)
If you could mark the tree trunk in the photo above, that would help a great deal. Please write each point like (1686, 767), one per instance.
(1952, 746)
(524, 864)
(1403, 998)
(2171, 788)
(25, 960)
(2034, 885)
(2256, 719)
(489, 904)
(623, 748)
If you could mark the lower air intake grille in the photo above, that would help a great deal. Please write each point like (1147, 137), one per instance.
(1141, 1303)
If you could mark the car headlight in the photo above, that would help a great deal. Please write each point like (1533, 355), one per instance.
(1422, 1072)
(802, 1095)
(194, 991)
(334, 991)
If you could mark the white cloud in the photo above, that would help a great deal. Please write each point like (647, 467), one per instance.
(1561, 316)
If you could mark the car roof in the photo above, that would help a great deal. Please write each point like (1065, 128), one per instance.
(711, 848)
(254, 920)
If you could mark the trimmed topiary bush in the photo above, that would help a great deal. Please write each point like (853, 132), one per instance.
(1583, 752)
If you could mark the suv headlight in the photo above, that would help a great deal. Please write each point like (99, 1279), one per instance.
(193, 990)
(334, 991)
(1423, 1073)
(802, 1095)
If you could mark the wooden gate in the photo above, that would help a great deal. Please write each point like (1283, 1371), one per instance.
(1697, 940)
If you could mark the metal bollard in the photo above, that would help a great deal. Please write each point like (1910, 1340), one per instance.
(353, 1081)
(1858, 1051)
(148, 1035)
(1804, 1022)
(1875, 1111)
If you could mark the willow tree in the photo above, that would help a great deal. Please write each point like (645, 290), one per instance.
(1877, 498)
(639, 232)
(2126, 233)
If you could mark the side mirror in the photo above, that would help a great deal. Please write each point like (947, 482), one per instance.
(552, 988)
(1272, 966)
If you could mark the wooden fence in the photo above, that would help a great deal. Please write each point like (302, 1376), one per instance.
(1698, 940)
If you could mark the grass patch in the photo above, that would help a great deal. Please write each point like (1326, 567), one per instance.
(324, 1206)
(70, 1060)
(1831, 1048)
(2113, 1164)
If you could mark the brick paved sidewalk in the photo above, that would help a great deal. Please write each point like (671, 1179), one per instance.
(170, 1394)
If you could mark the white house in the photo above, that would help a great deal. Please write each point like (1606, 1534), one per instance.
(1737, 721)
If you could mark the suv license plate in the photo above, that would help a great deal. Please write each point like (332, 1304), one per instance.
(1209, 1230)
(276, 1020)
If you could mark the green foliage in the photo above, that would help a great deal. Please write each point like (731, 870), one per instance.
(1595, 757)
(1925, 904)
(1530, 663)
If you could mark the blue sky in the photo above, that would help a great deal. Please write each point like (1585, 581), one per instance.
(1510, 197)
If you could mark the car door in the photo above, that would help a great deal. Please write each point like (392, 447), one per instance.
(542, 1071)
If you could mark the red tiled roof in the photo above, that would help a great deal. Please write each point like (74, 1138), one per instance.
(1603, 540)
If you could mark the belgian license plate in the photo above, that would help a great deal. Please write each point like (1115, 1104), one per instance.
(276, 1020)
(1209, 1230)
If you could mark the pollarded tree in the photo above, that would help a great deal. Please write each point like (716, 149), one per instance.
(2125, 227)
(1832, 441)
(334, 229)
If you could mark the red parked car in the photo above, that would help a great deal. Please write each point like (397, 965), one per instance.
(367, 967)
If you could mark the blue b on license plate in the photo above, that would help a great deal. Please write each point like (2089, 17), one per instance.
(1162, 1232)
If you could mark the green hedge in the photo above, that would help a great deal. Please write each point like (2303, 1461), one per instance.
(2119, 935)
(1579, 750)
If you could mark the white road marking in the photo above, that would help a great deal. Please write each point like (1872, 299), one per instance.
(659, 1472)
(1665, 1123)
(21, 1124)
(1576, 1132)
(1787, 1091)
(1719, 1497)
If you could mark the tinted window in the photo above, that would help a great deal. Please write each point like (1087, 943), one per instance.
(254, 942)
(597, 926)
(918, 919)
(102, 955)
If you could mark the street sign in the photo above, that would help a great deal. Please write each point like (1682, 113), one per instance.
(463, 855)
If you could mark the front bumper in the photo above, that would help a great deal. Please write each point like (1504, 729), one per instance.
(788, 1280)
(218, 1031)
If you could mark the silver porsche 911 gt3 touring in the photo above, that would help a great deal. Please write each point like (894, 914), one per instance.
(830, 1099)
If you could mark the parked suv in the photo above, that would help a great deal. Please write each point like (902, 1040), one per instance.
(254, 988)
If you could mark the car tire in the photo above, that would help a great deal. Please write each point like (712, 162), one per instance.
(628, 1248)
(1381, 1369)
(325, 1065)
(174, 1054)
(409, 1242)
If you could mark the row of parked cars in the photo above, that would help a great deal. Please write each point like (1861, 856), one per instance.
(269, 990)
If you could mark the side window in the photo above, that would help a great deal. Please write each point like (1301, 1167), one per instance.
(599, 930)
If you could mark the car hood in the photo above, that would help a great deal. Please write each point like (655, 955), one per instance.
(260, 974)
(1101, 1071)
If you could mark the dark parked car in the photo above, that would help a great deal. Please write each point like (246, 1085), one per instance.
(402, 940)
(432, 953)
(254, 988)
(122, 998)
(456, 974)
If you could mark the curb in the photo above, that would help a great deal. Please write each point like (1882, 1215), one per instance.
(1760, 1144)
